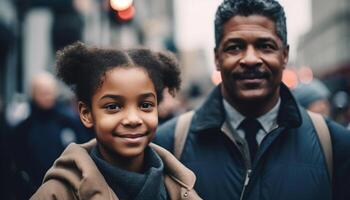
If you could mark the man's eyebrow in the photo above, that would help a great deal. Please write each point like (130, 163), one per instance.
(267, 39)
(234, 40)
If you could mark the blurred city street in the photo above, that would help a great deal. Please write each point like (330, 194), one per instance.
(31, 32)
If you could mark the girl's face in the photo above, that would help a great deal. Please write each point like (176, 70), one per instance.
(123, 113)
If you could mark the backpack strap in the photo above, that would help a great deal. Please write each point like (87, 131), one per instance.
(324, 138)
(181, 131)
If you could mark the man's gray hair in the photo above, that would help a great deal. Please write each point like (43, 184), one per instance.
(268, 8)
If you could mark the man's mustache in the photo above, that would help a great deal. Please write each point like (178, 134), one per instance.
(250, 74)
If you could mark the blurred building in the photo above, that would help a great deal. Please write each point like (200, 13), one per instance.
(33, 30)
(8, 69)
(325, 48)
(41, 27)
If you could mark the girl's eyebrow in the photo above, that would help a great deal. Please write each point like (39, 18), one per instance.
(120, 97)
(145, 95)
(112, 96)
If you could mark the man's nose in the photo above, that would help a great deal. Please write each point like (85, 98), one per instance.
(132, 118)
(251, 58)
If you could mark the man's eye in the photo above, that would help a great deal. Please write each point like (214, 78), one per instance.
(234, 48)
(113, 107)
(266, 46)
(146, 106)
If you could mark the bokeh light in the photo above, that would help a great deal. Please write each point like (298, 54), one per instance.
(126, 14)
(290, 78)
(120, 5)
(305, 74)
(216, 77)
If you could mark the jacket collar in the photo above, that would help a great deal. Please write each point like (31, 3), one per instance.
(76, 167)
(289, 114)
(174, 168)
(211, 114)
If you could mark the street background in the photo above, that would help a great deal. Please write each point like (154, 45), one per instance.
(31, 31)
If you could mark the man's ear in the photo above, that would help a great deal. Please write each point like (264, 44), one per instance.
(85, 114)
(217, 63)
(285, 56)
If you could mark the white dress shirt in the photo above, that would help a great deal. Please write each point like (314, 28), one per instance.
(268, 121)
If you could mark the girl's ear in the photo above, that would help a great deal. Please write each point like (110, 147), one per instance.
(85, 114)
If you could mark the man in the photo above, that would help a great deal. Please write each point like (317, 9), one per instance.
(282, 158)
(41, 138)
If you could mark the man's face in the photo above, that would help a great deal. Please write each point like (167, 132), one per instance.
(250, 58)
(44, 92)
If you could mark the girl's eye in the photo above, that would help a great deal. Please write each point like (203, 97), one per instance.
(113, 107)
(146, 106)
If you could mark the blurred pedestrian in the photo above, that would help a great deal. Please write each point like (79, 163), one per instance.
(168, 108)
(313, 96)
(250, 139)
(37, 141)
(118, 94)
(7, 181)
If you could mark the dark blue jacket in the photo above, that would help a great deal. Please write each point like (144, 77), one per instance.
(289, 164)
(39, 140)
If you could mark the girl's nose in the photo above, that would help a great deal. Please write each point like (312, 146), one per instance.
(131, 118)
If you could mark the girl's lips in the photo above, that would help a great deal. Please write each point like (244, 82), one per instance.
(132, 135)
(133, 139)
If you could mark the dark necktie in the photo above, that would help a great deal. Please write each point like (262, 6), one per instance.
(251, 127)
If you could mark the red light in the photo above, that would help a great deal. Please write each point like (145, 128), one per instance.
(127, 14)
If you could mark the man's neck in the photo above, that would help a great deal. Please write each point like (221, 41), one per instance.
(254, 108)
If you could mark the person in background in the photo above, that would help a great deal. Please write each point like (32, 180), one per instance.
(313, 96)
(168, 108)
(118, 93)
(7, 173)
(250, 140)
(38, 140)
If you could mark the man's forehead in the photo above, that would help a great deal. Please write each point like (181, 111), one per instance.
(250, 25)
(250, 21)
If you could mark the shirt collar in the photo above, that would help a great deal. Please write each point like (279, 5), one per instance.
(268, 121)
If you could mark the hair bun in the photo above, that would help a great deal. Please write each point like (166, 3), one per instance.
(70, 62)
(170, 69)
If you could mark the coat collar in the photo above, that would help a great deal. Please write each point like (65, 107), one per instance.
(211, 114)
(174, 168)
(76, 168)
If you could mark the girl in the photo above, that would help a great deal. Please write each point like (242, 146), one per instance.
(118, 93)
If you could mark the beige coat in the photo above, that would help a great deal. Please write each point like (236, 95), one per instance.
(74, 175)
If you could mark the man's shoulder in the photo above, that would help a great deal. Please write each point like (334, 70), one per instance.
(168, 126)
(339, 134)
(165, 134)
(341, 159)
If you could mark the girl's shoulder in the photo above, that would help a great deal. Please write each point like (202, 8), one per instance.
(54, 189)
(74, 172)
